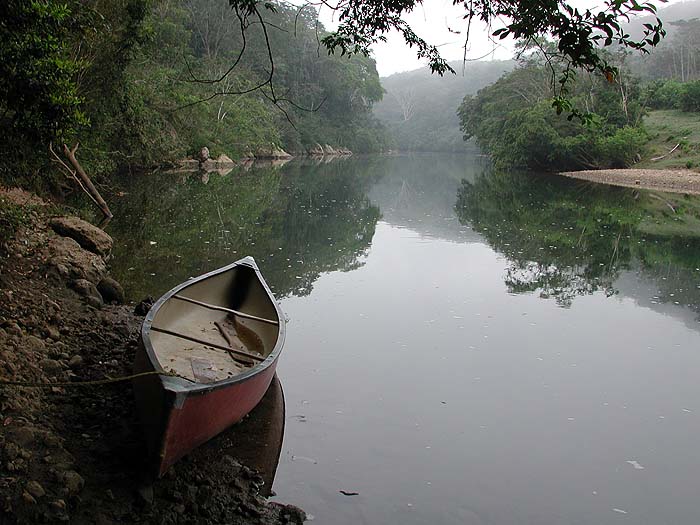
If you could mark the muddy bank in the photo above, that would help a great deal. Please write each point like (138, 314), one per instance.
(74, 454)
(674, 181)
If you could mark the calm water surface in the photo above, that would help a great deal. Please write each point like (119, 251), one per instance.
(509, 349)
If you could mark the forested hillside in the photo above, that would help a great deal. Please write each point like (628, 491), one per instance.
(678, 55)
(139, 82)
(420, 108)
(602, 119)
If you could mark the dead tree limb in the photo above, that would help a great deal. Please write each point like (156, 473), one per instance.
(83, 180)
(667, 154)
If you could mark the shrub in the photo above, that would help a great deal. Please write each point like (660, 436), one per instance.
(690, 99)
(665, 94)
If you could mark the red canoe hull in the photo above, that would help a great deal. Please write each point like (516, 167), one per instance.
(177, 422)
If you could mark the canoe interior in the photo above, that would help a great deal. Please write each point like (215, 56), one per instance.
(238, 289)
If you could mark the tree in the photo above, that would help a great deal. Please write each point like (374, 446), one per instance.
(579, 34)
(39, 99)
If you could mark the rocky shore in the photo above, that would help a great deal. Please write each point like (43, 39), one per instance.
(74, 453)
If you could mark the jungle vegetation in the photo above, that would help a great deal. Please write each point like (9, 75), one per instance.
(140, 82)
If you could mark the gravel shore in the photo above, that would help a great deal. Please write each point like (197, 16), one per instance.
(673, 181)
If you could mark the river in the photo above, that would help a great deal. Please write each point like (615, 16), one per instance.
(462, 346)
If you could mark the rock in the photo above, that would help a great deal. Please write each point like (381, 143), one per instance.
(204, 154)
(75, 362)
(34, 344)
(51, 366)
(13, 328)
(272, 152)
(12, 451)
(85, 288)
(35, 489)
(24, 436)
(224, 161)
(188, 164)
(62, 271)
(146, 494)
(79, 263)
(88, 236)
(73, 482)
(28, 498)
(95, 302)
(144, 306)
(111, 291)
(316, 150)
(59, 506)
(208, 165)
(52, 333)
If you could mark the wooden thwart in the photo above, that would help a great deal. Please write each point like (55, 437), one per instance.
(207, 343)
(224, 309)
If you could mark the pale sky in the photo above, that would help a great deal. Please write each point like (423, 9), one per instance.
(432, 21)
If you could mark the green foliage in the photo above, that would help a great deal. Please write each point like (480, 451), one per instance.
(690, 98)
(664, 94)
(200, 76)
(39, 99)
(12, 216)
(512, 120)
(142, 82)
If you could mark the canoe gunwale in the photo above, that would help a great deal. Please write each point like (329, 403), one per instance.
(183, 386)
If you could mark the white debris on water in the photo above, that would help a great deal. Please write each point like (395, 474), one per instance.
(304, 458)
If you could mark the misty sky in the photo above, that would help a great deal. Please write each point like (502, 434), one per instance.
(434, 21)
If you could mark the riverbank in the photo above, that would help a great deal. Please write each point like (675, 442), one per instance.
(74, 454)
(673, 181)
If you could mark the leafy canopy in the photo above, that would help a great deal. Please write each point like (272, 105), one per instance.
(579, 33)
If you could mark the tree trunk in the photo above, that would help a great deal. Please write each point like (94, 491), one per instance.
(87, 183)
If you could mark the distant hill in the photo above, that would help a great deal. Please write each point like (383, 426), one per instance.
(671, 13)
(678, 55)
(419, 108)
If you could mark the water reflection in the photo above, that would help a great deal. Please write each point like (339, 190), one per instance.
(297, 221)
(564, 239)
(255, 442)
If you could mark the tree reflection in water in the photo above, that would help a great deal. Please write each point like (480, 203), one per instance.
(566, 238)
(298, 221)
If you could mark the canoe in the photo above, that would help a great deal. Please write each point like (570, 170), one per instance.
(214, 342)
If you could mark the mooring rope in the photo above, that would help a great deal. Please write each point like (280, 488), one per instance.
(88, 383)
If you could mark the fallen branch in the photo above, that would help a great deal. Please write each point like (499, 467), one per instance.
(667, 154)
(78, 174)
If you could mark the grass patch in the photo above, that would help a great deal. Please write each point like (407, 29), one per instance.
(12, 216)
(668, 127)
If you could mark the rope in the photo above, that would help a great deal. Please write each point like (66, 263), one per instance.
(87, 383)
